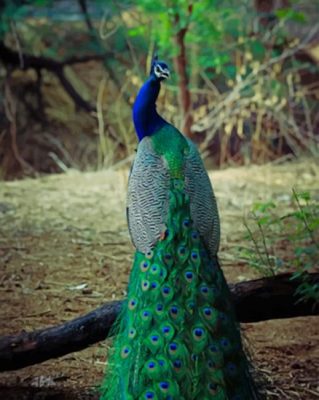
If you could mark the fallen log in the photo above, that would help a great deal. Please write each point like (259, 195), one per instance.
(256, 300)
(28, 348)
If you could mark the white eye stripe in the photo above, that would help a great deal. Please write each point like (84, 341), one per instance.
(161, 72)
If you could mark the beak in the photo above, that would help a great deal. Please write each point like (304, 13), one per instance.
(165, 73)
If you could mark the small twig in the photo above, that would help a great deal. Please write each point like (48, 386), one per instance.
(55, 142)
(101, 126)
(210, 84)
(251, 235)
(104, 32)
(58, 162)
(120, 164)
(10, 109)
(17, 40)
(264, 244)
(304, 219)
(307, 116)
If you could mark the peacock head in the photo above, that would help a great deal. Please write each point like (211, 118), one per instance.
(159, 69)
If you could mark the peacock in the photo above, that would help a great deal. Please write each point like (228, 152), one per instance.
(176, 337)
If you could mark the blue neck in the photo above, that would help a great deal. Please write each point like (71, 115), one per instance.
(145, 117)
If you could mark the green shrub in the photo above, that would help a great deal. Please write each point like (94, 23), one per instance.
(285, 241)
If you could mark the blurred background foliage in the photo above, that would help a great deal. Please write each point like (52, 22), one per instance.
(245, 84)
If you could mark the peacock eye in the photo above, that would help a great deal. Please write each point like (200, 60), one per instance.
(157, 69)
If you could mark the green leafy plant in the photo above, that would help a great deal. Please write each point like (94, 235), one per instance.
(243, 75)
(281, 241)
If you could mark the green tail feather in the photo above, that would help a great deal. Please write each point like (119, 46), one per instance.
(177, 337)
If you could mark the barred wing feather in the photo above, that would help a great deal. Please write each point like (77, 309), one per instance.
(203, 206)
(147, 201)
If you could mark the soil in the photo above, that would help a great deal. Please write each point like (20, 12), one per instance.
(65, 250)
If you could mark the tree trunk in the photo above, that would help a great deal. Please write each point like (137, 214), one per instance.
(180, 62)
(184, 93)
(256, 300)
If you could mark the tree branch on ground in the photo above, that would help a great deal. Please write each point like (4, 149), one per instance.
(256, 300)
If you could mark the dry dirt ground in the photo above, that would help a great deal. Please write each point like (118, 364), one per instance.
(65, 249)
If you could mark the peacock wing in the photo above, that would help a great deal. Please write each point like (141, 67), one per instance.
(147, 199)
(203, 206)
